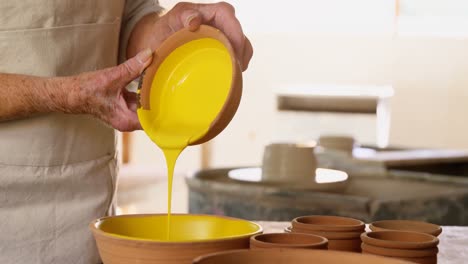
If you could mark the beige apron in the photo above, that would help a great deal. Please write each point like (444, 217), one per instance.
(57, 171)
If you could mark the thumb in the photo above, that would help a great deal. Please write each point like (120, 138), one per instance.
(132, 68)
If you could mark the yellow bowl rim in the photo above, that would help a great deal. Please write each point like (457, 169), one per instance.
(98, 231)
(181, 38)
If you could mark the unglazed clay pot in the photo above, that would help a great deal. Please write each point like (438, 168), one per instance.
(400, 239)
(342, 233)
(401, 253)
(413, 246)
(143, 238)
(288, 240)
(328, 223)
(406, 225)
(343, 144)
(289, 256)
(344, 241)
(289, 162)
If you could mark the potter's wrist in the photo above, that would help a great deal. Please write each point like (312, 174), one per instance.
(142, 35)
(65, 95)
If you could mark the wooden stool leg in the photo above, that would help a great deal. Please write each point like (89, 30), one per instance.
(126, 147)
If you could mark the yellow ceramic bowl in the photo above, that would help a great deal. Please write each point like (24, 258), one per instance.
(143, 238)
(194, 79)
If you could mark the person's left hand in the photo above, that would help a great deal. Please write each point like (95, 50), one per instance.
(152, 30)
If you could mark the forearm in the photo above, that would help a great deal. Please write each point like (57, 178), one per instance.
(23, 96)
(143, 35)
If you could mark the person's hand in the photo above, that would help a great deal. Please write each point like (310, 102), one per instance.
(151, 31)
(103, 94)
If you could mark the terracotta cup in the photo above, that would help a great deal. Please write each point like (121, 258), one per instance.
(406, 225)
(142, 239)
(289, 163)
(288, 240)
(296, 256)
(413, 246)
(343, 233)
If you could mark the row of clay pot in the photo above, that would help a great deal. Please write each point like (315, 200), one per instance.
(379, 247)
(408, 240)
(405, 245)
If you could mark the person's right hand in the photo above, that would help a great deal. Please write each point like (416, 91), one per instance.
(102, 93)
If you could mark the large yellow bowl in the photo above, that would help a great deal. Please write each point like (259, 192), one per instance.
(143, 238)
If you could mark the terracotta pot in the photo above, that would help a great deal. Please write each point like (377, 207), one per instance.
(328, 223)
(288, 240)
(421, 260)
(413, 246)
(400, 239)
(296, 256)
(425, 260)
(351, 245)
(289, 163)
(330, 235)
(400, 253)
(141, 238)
(342, 241)
(343, 233)
(406, 225)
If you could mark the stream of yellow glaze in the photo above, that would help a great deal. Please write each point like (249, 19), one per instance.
(188, 91)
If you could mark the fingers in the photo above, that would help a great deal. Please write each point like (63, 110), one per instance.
(132, 68)
(126, 122)
(219, 15)
(124, 118)
(129, 122)
(110, 101)
(131, 99)
(222, 16)
(134, 121)
(184, 16)
(248, 53)
(192, 19)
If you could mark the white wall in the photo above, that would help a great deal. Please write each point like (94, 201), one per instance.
(429, 75)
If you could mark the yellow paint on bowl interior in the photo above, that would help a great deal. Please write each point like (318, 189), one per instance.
(184, 228)
(187, 93)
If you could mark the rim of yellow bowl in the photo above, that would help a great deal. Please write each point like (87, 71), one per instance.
(98, 231)
(180, 38)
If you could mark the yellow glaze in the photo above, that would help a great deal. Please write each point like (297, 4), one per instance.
(187, 93)
(184, 228)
